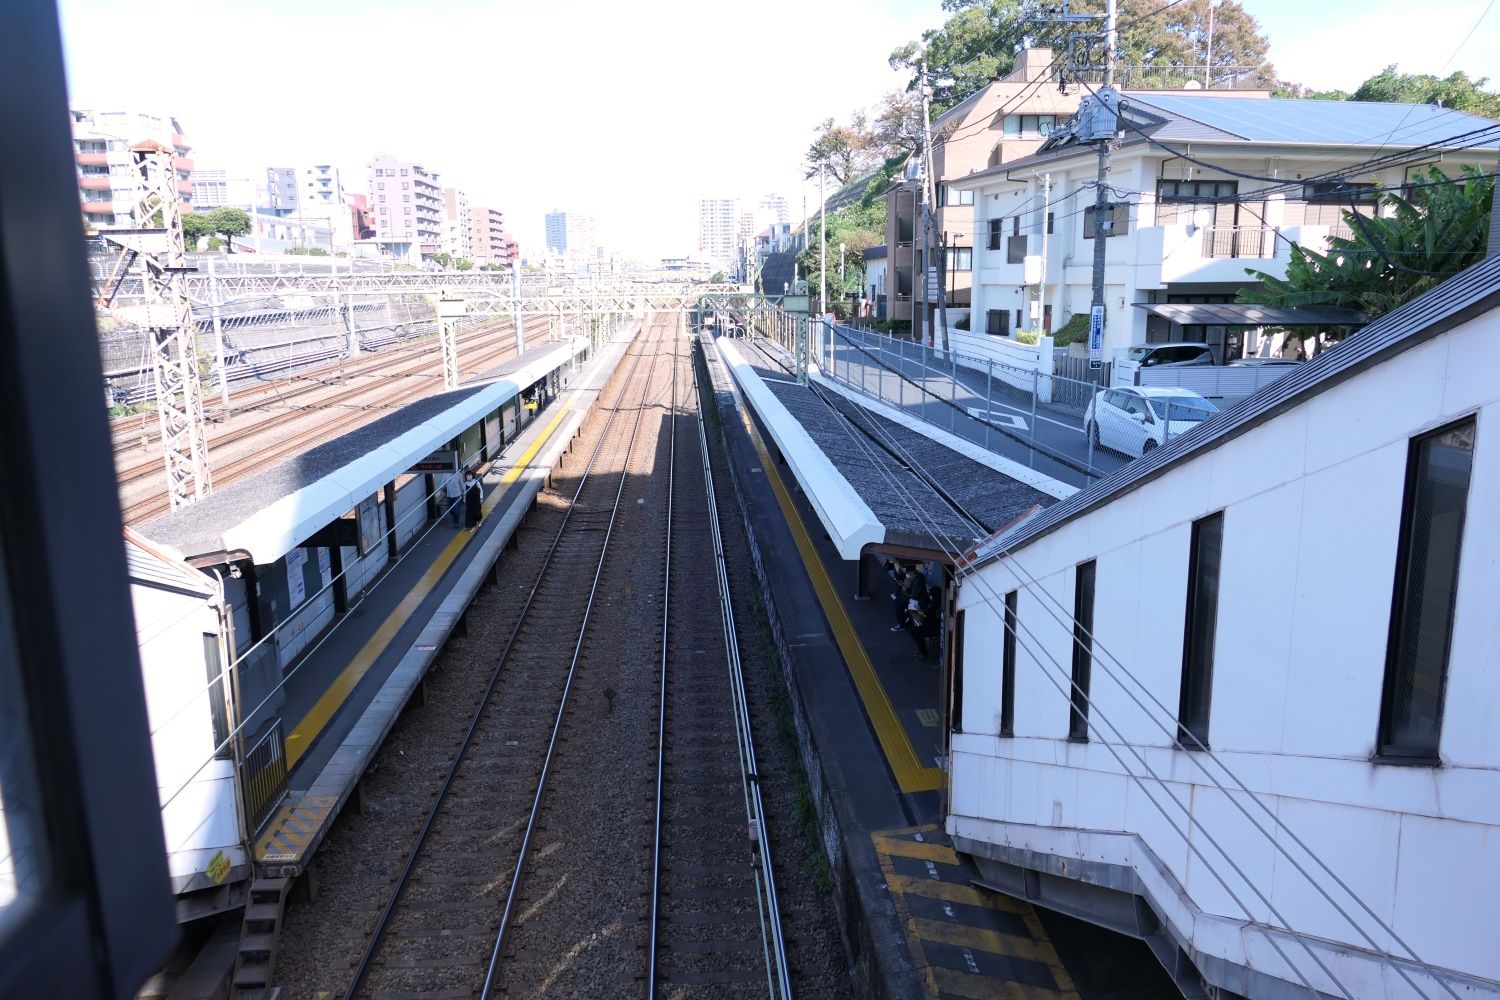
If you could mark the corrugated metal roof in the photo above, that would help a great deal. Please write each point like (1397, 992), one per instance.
(146, 565)
(1462, 297)
(1249, 314)
(1323, 123)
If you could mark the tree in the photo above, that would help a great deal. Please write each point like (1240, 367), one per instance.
(229, 223)
(442, 259)
(464, 264)
(898, 125)
(845, 151)
(1437, 229)
(194, 228)
(1160, 44)
(1456, 91)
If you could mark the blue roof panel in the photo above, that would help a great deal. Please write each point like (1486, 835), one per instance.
(1342, 123)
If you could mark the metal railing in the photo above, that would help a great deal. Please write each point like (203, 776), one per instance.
(263, 776)
(1239, 241)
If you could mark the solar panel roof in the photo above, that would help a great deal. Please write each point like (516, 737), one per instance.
(1344, 123)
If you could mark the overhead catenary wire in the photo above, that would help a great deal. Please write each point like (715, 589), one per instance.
(1031, 584)
(946, 542)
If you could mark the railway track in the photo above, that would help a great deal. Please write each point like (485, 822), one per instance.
(437, 934)
(315, 413)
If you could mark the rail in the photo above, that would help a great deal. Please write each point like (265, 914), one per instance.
(1239, 241)
(263, 775)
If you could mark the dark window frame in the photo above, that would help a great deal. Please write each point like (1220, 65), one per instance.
(996, 230)
(958, 672)
(1388, 747)
(1084, 576)
(1119, 214)
(1008, 668)
(1199, 632)
(997, 329)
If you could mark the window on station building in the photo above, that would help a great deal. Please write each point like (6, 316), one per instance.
(1083, 651)
(1008, 669)
(1421, 632)
(1193, 701)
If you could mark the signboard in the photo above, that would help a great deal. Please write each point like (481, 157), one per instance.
(296, 582)
(218, 867)
(933, 285)
(369, 523)
(1096, 337)
(438, 461)
(325, 568)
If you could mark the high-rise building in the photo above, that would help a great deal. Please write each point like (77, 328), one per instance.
(214, 188)
(771, 210)
(310, 194)
(408, 203)
(108, 182)
(457, 224)
(571, 235)
(718, 229)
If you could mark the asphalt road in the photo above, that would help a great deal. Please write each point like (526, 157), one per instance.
(1006, 419)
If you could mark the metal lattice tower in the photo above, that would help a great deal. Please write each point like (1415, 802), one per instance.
(158, 239)
(449, 310)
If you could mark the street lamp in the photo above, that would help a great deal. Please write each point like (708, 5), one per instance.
(841, 267)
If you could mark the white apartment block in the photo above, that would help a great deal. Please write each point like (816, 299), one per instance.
(1183, 233)
(406, 204)
(457, 224)
(108, 182)
(718, 229)
(214, 188)
(1267, 647)
(571, 235)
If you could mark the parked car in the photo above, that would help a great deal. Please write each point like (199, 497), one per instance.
(1135, 419)
(1263, 362)
(1154, 355)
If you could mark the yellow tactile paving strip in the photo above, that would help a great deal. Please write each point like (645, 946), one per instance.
(911, 774)
(951, 927)
(286, 836)
(306, 731)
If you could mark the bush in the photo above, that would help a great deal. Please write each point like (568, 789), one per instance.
(892, 325)
(1026, 336)
(963, 322)
(1075, 330)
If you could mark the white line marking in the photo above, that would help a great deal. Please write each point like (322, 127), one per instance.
(997, 417)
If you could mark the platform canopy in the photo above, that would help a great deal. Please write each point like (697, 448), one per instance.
(1248, 314)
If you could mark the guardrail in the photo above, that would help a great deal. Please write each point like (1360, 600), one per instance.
(263, 776)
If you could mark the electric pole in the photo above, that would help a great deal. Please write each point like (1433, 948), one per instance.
(1105, 128)
(822, 243)
(930, 200)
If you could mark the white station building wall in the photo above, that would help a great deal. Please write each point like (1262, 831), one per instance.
(1312, 502)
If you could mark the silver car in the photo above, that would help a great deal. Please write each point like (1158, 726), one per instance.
(1133, 420)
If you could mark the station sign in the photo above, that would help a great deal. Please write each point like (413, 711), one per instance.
(438, 461)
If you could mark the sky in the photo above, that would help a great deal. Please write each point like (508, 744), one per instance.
(627, 112)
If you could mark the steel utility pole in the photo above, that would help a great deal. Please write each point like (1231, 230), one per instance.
(449, 310)
(1041, 319)
(169, 318)
(1105, 128)
(927, 226)
(515, 305)
(822, 243)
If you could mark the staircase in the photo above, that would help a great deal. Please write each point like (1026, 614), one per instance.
(259, 938)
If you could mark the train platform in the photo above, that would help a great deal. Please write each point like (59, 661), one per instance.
(349, 691)
(871, 713)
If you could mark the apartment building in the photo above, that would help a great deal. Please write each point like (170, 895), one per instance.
(1183, 232)
(407, 200)
(1239, 698)
(719, 230)
(457, 224)
(108, 183)
(571, 235)
(488, 240)
(214, 188)
(1005, 121)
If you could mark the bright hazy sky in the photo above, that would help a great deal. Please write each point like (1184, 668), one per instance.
(626, 111)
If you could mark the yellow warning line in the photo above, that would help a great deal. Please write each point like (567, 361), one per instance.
(948, 892)
(316, 720)
(915, 849)
(971, 987)
(911, 775)
(980, 939)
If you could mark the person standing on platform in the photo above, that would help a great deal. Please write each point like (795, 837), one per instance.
(473, 498)
(453, 495)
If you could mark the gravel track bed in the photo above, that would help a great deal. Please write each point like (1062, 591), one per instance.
(464, 885)
(578, 929)
(245, 432)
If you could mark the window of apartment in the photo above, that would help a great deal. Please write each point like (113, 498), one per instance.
(382, 199)
(1196, 190)
(1340, 192)
(1432, 525)
(952, 197)
(1049, 223)
(1020, 322)
(1015, 250)
(403, 174)
(1117, 224)
(996, 227)
(960, 258)
(1204, 556)
(405, 185)
(406, 197)
(407, 210)
(1029, 126)
(1083, 651)
(1008, 669)
(997, 323)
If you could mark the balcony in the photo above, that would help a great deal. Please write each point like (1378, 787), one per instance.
(1239, 241)
(92, 159)
(99, 207)
(94, 182)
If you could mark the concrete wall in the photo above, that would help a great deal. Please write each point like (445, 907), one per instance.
(1312, 503)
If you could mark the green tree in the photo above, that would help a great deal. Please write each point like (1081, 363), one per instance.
(194, 228)
(1161, 44)
(1455, 91)
(1424, 237)
(229, 223)
(845, 151)
(442, 259)
(463, 264)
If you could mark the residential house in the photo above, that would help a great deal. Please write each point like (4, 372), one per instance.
(1205, 185)
(1003, 122)
(1264, 648)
